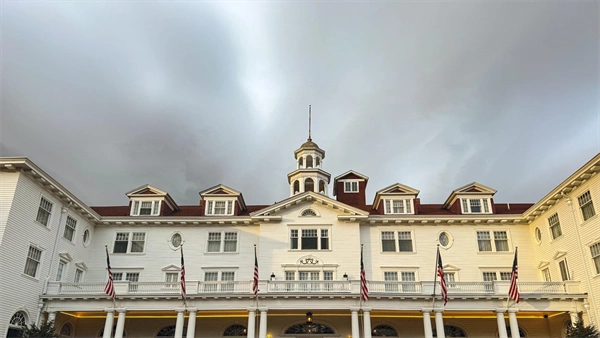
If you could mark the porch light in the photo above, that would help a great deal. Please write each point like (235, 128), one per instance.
(309, 322)
(345, 276)
(272, 275)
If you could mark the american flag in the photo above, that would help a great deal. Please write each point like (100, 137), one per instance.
(440, 273)
(513, 291)
(255, 282)
(182, 278)
(109, 289)
(364, 290)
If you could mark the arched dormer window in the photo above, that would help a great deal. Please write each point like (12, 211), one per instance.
(384, 331)
(309, 184)
(309, 329)
(296, 186)
(235, 330)
(309, 161)
(309, 212)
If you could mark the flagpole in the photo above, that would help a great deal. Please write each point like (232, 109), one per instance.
(183, 271)
(508, 296)
(437, 255)
(108, 266)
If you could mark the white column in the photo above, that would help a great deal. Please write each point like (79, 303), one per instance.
(262, 330)
(191, 328)
(251, 323)
(514, 325)
(367, 322)
(574, 317)
(51, 316)
(179, 323)
(502, 324)
(427, 324)
(108, 324)
(439, 323)
(355, 332)
(120, 324)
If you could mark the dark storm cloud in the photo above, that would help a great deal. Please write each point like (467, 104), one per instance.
(110, 96)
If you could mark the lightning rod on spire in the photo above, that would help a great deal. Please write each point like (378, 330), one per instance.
(309, 113)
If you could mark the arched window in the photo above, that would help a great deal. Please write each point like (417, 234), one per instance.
(452, 331)
(309, 184)
(17, 322)
(66, 330)
(318, 161)
(309, 212)
(301, 162)
(101, 333)
(309, 329)
(384, 331)
(169, 331)
(296, 187)
(235, 330)
(309, 161)
(321, 186)
(508, 332)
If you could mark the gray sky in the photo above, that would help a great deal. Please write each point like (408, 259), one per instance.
(107, 96)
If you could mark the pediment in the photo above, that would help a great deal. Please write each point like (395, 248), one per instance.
(351, 175)
(81, 265)
(450, 267)
(543, 264)
(395, 189)
(66, 256)
(475, 187)
(171, 267)
(559, 254)
(220, 189)
(146, 189)
(305, 198)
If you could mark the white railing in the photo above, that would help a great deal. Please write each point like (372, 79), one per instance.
(424, 288)
(309, 286)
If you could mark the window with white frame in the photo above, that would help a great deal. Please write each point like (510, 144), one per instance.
(392, 278)
(172, 278)
(219, 208)
(450, 279)
(595, 252)
(475, 205)
(586, 205)
(398, 206)
(145, 208)
(546, 275)
(564, 270)
(222, 241)
(62, 267)
(78, 276)
(44, 211)
(351, 186)
(130, 242)
(219, 281)
(132, 277)
(489, 276)
(408, 279)
(70, 226)
(492, 241)
(34, 257)
(403, 238)
(309, 239)
(554, 224)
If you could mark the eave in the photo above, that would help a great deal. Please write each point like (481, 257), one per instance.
(487, 219)
(308, 196)
(185, 221)
(309, 170)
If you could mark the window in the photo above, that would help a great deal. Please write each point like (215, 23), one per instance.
(130, 242)
(309, 212)
(450, 279)
(384, 331)
(145, 208)
(490, 276)
(445, 239)
(595, 251)
(351, 186)
(222, 242)
(564, 270)
(404, 239)
(220, 208)
(70, 226)
(132, 277)
(78, 276)
(538, 234)
(34, 257)
(62, 266)
(176, 240)
(44, 211)
(451, 331)
(586, 205)
(309, 239)
(408, 277)
(86, 237)
(546, 275)
(391, 276)
(65, 330)
(16, 325)
(235, 330)
(554, 226)
(492, 241)
(475, 205)
(172, 278)
(402, 206)
(219, 281)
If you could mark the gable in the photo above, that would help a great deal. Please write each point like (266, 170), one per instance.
(146, 189)
(220, 189)
(305, 199)
(395, 189)
(472, 188)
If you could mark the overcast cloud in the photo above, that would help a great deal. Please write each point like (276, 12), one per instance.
(107, 96)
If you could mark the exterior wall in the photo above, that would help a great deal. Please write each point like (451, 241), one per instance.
(17, 290)
(8, 184)
(355, 199)
(576, 238)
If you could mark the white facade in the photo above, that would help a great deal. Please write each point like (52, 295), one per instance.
(308, 251)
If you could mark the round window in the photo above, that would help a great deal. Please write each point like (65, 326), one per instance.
(538, 234)
(86, 237)
(444, 239)
(176, 240)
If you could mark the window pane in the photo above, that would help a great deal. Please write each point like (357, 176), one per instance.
(398, 206)
(564, 270)
(486, 208)
(327, 275)
(146, 208)
(586, 205)
(230, 242)
(220, 207)
(388, 209)
(117, 276)
(290, 275)
(137, 242)
(214, 242)
(324, 239)
(483, 240)
(44, 211)
(501, 240)
(309, 239)
(211, 276)
(388, 244)
(465, 206)
(171, 277)
(405, 241)
(554, 223)
(155, 210)
(70, 225)
(504, 275)
(489, 276)
(229, 208)
(121, 242)
(59, 273)
(475, 205)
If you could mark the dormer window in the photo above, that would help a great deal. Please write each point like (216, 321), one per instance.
(220, 208)
(145, 208)
(475, 205)
(398, 206)
(351, 186)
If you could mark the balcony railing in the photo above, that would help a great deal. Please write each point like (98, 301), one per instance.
(376, 288)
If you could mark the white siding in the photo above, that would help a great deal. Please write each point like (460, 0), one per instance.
(8, 184)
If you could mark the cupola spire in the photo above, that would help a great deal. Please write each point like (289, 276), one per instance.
(309, 116)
